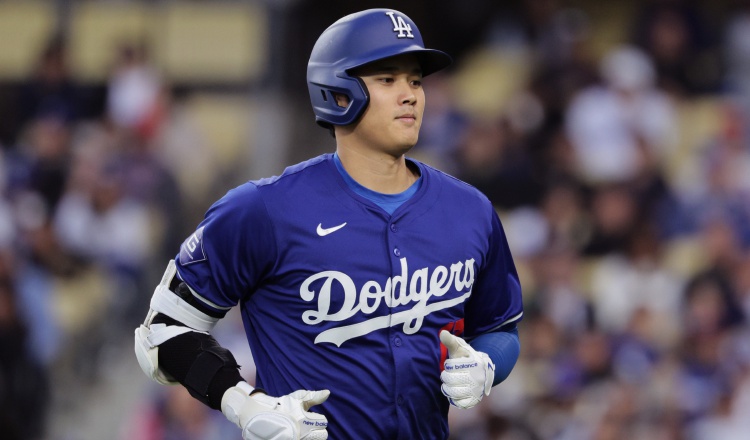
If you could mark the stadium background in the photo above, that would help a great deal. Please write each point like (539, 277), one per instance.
(611, 136)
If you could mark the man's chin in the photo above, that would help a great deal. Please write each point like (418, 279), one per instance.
(407, 142)
(404, 148)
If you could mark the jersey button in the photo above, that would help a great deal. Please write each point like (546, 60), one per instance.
(400, 400)
(393, 227)
(396, 252)
(397, 342)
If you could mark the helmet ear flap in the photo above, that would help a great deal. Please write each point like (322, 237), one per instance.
(343, 100)
(327, 109)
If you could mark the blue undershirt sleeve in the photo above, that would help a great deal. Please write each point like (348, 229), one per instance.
(503, 347)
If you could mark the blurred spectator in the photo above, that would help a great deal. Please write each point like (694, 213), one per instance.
(24, 385)
(638, 348)
(185, 152)
(41, 166)
(718, 188)
(564, 209)
(42, 260)
(624, 283)
(557, 294)
(740, 278)
(38, 172)
(589, 363)
(138, 118)
(618, 127)
(728, 420)
(710, 317)
(560, 37)
(149, 182)
(7, 220)
(134, 93)
(443, 126)
(494, 160)
(176, 415)
(51, 92)
(722, 251)
(556, 31)
(99, 222)
(676, 35)
(615, 216)
(544, 347)
(710, 305)
(736, 44)
(555, 156)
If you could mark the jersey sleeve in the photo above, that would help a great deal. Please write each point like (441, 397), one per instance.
(231, 251)
(496, 301)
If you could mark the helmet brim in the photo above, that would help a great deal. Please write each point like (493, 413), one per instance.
(430, 60)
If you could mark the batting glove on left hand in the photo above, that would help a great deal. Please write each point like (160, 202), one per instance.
(262, 417)
(468, 373)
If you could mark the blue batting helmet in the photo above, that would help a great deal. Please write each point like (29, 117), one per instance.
(353, 41)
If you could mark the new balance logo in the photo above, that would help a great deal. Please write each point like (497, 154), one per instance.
(400, 25)
(325, 231)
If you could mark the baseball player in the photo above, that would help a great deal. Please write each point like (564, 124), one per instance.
(375, 291)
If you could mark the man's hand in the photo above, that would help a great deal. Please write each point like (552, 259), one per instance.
(262, 417)
(468, 373)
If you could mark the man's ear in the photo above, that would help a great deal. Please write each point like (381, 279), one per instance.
(341, 99)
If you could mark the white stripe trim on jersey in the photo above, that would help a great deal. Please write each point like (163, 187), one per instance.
(207, 302)
(498, 327)
(197, 296)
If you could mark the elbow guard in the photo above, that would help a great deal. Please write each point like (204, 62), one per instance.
(199, 363)
(150, 335)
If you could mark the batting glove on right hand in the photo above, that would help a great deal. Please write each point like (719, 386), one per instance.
(468, 374)
(262, 417)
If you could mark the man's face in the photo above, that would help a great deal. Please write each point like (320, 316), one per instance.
(393, 117)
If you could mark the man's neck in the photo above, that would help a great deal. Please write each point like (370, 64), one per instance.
(377, 171)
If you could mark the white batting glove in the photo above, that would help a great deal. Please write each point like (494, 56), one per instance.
(262, 417)
(468, 374)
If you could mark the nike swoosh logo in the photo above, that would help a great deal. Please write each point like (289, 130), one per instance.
(325, 231)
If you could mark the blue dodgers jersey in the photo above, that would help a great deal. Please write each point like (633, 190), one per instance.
(337, 294)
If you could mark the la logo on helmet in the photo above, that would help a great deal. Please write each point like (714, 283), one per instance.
(399, 25)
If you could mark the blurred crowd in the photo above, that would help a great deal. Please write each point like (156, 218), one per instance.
(622, 179)
(629, 225)
(95, 198)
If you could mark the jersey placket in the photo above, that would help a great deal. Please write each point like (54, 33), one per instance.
(395, 333)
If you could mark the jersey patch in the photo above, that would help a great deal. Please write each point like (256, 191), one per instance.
(191, 250)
